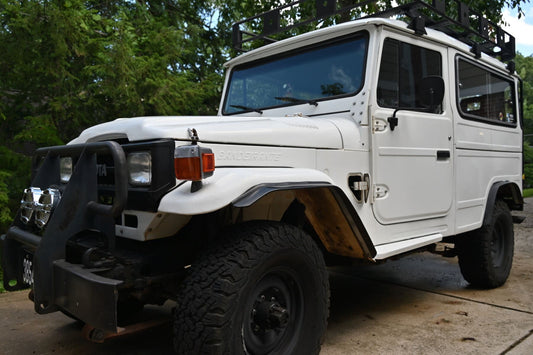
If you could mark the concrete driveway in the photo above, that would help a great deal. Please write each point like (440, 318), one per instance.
(415, 305)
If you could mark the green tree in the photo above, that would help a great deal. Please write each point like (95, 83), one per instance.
(524, 67)
(70, 64)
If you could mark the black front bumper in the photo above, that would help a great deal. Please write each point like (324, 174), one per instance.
(85, 295)
(77, 290)
(57, 283)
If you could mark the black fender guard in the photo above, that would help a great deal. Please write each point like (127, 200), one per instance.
(509, 192)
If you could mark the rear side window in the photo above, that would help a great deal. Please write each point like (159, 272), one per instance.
(403, 66)
(484, 95)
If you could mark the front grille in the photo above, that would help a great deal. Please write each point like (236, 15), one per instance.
(46, 169)
(105, 170)
(144, 198)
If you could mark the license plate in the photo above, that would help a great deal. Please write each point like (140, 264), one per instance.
(27, 269)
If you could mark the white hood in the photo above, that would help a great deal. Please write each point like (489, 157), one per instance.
(272, 131)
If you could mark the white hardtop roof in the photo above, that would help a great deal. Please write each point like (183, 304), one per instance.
(351, 27)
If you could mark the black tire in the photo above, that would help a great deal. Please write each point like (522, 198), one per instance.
(486, 255)
(263, 290)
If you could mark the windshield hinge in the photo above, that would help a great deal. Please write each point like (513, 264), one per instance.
(378, 125)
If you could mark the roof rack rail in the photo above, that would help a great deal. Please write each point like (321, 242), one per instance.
(466, 25)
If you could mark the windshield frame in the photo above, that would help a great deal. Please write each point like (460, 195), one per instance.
(361, 34)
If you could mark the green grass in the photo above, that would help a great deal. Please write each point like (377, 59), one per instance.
(528, 192)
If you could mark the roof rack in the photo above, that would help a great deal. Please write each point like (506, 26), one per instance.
(466, 25)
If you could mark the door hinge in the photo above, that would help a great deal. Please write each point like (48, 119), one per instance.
(360, 185)
(379, 191)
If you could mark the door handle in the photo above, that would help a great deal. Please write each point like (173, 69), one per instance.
(443, 154)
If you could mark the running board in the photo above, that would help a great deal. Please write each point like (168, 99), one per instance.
(387, 250)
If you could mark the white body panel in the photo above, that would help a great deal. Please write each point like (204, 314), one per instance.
(276, 131)
(411, 182)
(484, 154)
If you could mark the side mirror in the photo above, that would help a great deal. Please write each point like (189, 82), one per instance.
(431, 91)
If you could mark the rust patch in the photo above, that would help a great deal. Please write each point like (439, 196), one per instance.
(329, 222)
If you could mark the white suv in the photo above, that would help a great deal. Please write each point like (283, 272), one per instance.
(364, 140)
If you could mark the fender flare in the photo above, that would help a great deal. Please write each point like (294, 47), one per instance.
(227, 185)
(513, 198)
(242, 187)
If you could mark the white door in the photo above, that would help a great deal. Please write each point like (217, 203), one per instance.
(412, 171)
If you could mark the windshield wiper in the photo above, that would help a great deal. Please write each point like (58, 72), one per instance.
(296, 100)
(247, 108)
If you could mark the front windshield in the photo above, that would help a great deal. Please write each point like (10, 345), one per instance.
(325, 71)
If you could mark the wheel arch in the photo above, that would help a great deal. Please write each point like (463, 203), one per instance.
(325, 207)
(507, 191)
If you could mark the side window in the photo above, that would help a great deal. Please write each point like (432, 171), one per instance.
(483, 95)
(403, 66)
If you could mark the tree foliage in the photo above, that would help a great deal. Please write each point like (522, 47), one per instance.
(70, 64)
(73, 63)
(524, 67)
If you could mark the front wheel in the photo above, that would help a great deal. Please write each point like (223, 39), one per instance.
(486, 255)
(263, 290)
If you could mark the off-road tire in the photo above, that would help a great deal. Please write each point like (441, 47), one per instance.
(486, 255)
(263, 289)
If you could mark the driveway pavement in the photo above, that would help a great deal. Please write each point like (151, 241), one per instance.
(415, 305)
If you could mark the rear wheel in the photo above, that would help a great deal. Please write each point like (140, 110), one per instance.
(263, 290)
(486, 255)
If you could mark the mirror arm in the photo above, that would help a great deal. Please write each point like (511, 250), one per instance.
(393, 120)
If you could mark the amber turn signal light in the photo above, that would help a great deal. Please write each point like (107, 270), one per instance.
(194, 163)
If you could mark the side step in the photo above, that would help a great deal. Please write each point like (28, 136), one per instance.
(387, 250)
